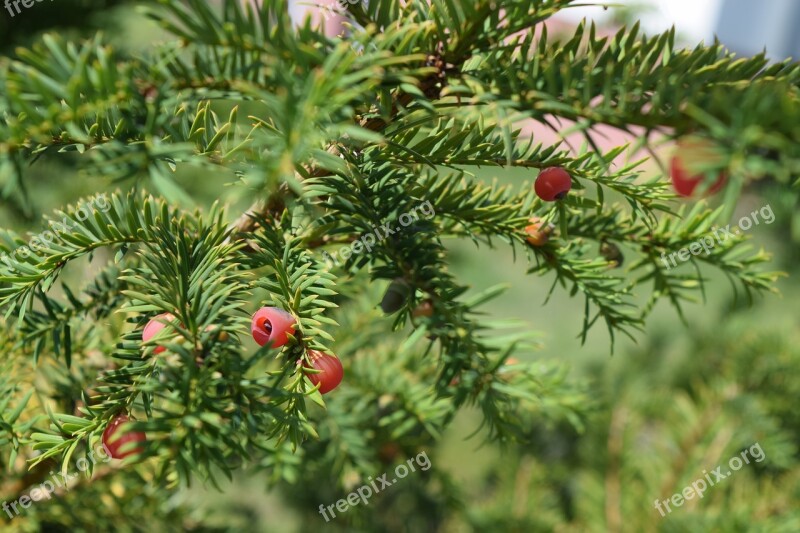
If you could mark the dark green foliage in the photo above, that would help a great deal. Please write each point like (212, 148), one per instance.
(75, 15)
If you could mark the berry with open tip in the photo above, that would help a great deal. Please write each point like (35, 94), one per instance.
(538, 232)
(272, 325)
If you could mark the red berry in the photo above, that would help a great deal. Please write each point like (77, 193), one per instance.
(685, 184)
(272, 325)
(552, 184)
(117, 445)
(331, 371)
(538, 233)
(154, 326)
(691, 153)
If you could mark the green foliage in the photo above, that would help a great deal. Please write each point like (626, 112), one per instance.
(330, 138)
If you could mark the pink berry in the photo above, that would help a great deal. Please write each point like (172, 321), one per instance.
(155, 325)
(690, 152)
(114, 443)
(331, 371)
(272, 325)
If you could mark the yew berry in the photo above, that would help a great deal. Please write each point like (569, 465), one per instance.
(686, 171)
(552, 184)
(388, 452)
(538, 233)
(395, 297)
(424, 309)
(331, 371)
(155, 325)
(121, 445)
(272, 325)
(612, 254)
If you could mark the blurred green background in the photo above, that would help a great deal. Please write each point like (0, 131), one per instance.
(680, 400)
